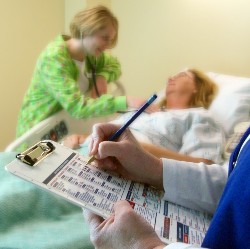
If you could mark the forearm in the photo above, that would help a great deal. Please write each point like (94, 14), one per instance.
(151, 166)
(101, 85)
(161, 152)
(109, 67)
(88, 107)
(194, 185)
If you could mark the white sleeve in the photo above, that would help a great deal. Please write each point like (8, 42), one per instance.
(194, 185)
(179, 245)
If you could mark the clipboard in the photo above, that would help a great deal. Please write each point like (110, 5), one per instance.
(63, 172)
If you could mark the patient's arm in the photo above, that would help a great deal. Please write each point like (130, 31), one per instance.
(163, 152)
(73, 141)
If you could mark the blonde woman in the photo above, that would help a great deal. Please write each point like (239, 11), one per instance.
(73, 70)
(183, 129)
(193, 89)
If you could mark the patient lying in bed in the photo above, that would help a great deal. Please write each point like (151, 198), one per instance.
(183, 128)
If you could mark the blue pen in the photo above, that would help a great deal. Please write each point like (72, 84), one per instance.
(123, 128)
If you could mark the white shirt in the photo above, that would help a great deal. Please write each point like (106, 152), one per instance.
(194, 185)
(82, 80)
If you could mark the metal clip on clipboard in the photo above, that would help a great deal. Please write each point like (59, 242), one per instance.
(36, 153)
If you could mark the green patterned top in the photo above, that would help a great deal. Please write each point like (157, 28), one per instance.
(54, 87)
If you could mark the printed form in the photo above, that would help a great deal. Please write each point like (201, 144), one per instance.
(98, 191)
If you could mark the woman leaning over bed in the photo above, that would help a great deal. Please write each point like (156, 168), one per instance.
(182, 129)
(64, 74)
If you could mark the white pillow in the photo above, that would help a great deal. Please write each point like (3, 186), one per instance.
(232, 104)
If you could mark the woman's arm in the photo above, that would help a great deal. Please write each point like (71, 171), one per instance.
(194, 185)
(102, 87)
(161, 152)
(107, 66)
(108, 69)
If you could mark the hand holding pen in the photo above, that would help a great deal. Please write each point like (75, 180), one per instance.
(123, 128)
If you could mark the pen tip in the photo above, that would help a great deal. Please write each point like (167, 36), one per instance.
(91, 159)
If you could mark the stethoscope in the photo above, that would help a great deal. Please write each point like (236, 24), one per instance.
(93, 70)
(93, 74)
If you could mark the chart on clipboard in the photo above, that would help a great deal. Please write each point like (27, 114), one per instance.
(64, 172)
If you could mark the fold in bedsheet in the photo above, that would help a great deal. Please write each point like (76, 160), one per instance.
(33, 218)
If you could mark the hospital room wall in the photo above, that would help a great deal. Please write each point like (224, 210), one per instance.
(26, 28)
(159, 38)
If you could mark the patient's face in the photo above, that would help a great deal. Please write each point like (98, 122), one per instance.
(180, 90)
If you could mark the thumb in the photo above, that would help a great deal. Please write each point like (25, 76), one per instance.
(93, 219)
(122, 207)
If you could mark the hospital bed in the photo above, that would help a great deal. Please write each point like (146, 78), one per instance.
(230, 108)
(33, 218)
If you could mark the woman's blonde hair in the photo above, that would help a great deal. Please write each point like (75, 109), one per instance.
(206, 89)
(89, 21)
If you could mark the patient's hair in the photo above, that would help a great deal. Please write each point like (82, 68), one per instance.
(206, 89)
(89, 21)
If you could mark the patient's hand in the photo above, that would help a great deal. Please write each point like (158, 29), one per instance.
(73, 141)
(135, 102)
